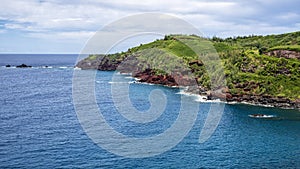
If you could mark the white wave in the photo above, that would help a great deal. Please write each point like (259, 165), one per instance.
(77, 68)
(121, 82)
(143, 83)
(129, 74)
(232, 102)
(203, 99)
(119, 73)
(183, 92)
(255, 104)
(199, 98)
(249, 103)
(63, 67)
(11, 67)
(151, 84)
(47, 67)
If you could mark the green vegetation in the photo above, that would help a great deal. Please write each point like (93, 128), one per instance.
(247, 67)
(286, 47)
(246, 63)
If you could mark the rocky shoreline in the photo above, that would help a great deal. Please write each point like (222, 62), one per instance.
(178, 80)
(222, 94)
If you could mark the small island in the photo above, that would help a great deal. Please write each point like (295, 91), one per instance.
(259, 70)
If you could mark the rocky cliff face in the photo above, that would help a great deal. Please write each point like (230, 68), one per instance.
(284, 53)
(99, 63)
(174, 80)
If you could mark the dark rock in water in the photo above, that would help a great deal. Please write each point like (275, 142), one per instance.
(23, 66)
(7, 66)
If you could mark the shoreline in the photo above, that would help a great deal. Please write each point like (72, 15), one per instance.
(220, 96)
(231, 102)
(181, 80)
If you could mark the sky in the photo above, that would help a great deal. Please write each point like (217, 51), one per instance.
(53, 26)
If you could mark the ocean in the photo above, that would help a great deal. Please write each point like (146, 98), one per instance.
(39, 127)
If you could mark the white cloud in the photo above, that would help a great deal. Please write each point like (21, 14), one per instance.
(90, 15)
(66, 36)
(78, 19)
(52, 15)
(289, 16)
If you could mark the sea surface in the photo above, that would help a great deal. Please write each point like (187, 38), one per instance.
(39, 127)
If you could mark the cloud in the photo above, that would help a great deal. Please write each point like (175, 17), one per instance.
(49, 19)
(45, 16)
(65, 36)
(35, 16)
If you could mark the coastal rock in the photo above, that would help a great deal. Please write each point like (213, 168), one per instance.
(108, 66)
(228, 96)
(280, 102)
(23, 66)
(157, 79)
(225, 90)
(175, 79)
(195, 90)
(184, 81)
(89, 64)
(7, 66)
(100, 63)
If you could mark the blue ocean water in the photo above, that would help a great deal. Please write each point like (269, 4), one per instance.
(39, 127)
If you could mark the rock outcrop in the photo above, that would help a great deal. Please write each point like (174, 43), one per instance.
(23, 66)
(174, 80)
(264, 100)
(284, 53)
(99, 63)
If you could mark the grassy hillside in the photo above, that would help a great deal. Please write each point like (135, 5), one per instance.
(247, 66)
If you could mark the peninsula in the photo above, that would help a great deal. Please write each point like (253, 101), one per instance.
(260, 70)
